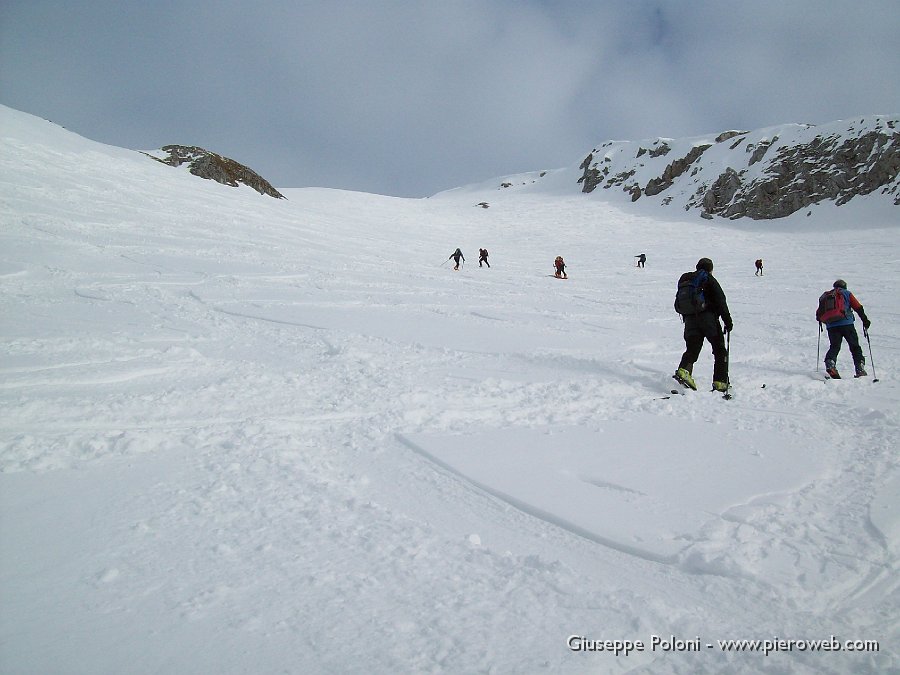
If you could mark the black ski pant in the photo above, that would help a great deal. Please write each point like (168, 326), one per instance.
(699, 327)
(836, 334)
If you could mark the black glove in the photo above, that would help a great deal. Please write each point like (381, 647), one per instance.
(865, 320)
(729, 327)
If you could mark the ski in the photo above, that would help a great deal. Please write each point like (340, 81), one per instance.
(683, 384)
(673, 392)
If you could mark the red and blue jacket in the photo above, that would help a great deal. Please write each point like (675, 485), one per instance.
(851, 303)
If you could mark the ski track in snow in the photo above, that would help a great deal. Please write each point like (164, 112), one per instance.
(206, 395)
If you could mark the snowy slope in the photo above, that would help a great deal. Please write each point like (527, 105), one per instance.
(243, 435)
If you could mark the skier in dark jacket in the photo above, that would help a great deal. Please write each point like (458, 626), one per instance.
(641, 259)
(705, 325)
(483, 257)
(456, 255)
(759, 267)
(843, 329)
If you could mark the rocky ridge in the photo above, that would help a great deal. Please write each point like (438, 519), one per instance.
(763, 174)
(212, 166)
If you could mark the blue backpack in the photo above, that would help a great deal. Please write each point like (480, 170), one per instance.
(689, 298)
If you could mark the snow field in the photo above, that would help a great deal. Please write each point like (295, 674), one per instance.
(248, 435)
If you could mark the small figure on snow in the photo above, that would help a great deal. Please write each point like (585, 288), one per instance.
(483, 257)
(560, 265)
(835, 310)
(759, 268)
(641, 259)
(456, 256)
(701, 301)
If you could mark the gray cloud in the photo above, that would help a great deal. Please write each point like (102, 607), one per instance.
(411, 97)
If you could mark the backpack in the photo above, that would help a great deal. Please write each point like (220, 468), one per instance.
(689, 299)
(832, 306)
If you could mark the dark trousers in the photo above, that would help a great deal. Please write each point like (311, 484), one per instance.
(483, 260)
(699, 327)
(836, 335)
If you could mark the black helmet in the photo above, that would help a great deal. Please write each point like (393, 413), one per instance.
(705, 264)
(840, 283)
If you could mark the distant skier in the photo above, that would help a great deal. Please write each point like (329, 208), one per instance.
(701, 301)
(759, 267)
(456, 256)
(642, 258)
(560, 265)
(483, 257)
(835, 310)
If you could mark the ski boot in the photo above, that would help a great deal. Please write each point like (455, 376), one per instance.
(832, 370)
(720, 386)
(684, 377)
(860, 369)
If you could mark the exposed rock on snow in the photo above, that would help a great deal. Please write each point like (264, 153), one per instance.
(212, 166)
(777, 172)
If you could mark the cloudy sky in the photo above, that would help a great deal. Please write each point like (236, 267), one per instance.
(410, 97)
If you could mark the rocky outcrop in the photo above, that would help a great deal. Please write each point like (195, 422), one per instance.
(591, 177)
(727, 135)
(760, 150)
(722, 191)
(763, 174)
(212, 166)
(828, 168)
(674, 170)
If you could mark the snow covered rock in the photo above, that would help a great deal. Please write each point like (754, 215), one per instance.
(212, 166)
(764, 174)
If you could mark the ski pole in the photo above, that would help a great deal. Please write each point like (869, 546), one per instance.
(871, 358)
(728, 358)
(727, 394)
(819, 347)
(445, 262)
